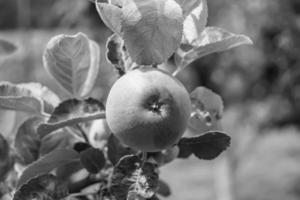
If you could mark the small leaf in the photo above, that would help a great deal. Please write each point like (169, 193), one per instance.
(47, 163)
(28, 97)
(152, 30)
(163, 189)
(92, 159)
(207, 110)
(116, 150)
(42, 187)
(5, 161)
(207, 146)
(6, 47)
(73, 60)
(133, 178)
(27, 142)
(195, 23)
(70, 112)
(111, 15)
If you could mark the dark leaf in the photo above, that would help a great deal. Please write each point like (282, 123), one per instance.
(132, 178)
(163, 189)
(71, 112)
(116, 150)
(28, 97)
(6, 47)
(81, 146)
(27, 141)
(207, 146)
(73, 60)
(184, 151)
(92, 159)
(43, 187)
(47, 163)
(5, 161)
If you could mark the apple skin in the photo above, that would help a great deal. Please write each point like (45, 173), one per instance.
(148, 109)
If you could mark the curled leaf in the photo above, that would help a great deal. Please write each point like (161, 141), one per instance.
(195, 23)
(28, 97)
(152, 29)
(207, 146)
(73, 60)
(70, 112)
(207, 110)
(133, 178)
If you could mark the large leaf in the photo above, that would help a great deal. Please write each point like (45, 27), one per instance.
(73, 60)
(133, 178)
(211, 40)
(27, 141)
(111, 15)
(42, 187)
(152, 29)
(70, 112)
(207, 146)
(28, 97)
(6, 47)
(195, 23)
(47, 163)
(207, 110)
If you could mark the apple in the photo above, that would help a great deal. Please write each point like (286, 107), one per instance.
(148, 109)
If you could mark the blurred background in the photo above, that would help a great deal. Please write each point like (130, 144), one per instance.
(260, 86)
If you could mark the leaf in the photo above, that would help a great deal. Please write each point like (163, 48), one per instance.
(211, 40)
(42, 187)
(207, 109)
(207, 146)
(187, 6)
(195, 23)
(27, 142)
(47, 163)
(116, 150)
(70, 112)
(111, 15)
(92, 159)
(163, 188)
(73, 61)
(5, 161)
(81, 146)
(58, 139)
(28, 97)
(6, 47)
(152, 30)
(133, 178)
(7, 122)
